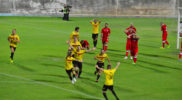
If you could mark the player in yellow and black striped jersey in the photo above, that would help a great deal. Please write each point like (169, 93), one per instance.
(109, 74)
(95, 24)
(69, 67)
(100, 62)
(13, 40)
(74, 34)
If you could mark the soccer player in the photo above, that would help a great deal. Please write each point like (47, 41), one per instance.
(95, 23)
(13, 40)
(134, 47)
(180, 54)
(164, 36)
(109, 73)
(69, 67)
(100, 62)
(74, 34)
(129, 31)
(85, 44)
(105, 33)
(79, 59)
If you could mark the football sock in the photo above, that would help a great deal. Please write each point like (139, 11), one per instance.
(98, 76)
(180, 56)
(105, 48)
(70, 76)
(167, 42)
(126, 53)
(12, 54)
(114, 94)
(135, 59)
(163, 45)
(79, 73)
(105, 96)
(95, 43)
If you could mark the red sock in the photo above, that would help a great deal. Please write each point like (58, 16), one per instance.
(135, 60)
(105, 48)
(163, 45)
(179, 56)
(126, 53)
(167, 42)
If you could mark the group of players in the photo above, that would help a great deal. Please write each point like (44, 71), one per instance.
(77, 49)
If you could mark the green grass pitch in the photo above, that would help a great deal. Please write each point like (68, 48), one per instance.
(38, 71)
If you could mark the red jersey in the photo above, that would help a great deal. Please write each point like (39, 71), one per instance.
(105, 33)
(134, 44)
(164, 29)
(131, 28)
(85, 44)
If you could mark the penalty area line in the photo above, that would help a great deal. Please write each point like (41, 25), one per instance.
(53, 86)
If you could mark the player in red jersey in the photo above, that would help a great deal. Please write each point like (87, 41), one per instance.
(105, 33)
(130, 30)
(180, 54)
(134, 47)
(85, 44)
(164, 35)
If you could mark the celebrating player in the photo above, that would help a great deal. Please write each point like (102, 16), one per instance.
(129, 31)
(180, 54)
(69, 67)
(134, 47)
(164, 36)
(109, 73)
(95, 23)
(105, 33)
(100, 62)
(74, 34)
(79, 59)
(13, 40)
(85, 44)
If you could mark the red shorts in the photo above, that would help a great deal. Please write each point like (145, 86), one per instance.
(105, 40)
(134, 52)
(128, 44)
(164, 36)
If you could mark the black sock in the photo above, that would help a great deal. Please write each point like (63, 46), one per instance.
(95, 43)
(70, 77)
(12, 54)
(73, 75)
(115, 95)
(105, 96)
(79, 73)
(98, 76)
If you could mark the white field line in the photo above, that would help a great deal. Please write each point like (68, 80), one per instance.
(53, 86)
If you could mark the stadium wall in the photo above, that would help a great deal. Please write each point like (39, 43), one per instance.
(148, 8)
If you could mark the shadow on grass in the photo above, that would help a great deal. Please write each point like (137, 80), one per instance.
(159, 65)
(153, 69)
(23, 67)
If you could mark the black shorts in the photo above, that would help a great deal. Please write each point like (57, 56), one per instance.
(94, 36)
(69, 71)
(74, 63)
(13, 47)
(79, 64)
(101, 65)
(105, 87)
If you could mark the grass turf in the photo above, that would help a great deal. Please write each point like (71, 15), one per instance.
(38, 71)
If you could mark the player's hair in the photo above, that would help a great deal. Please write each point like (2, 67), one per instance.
(109, 66)
(106, 24)
(82, 41)
(76, 28)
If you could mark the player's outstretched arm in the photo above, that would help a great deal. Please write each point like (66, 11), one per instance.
(117, 66)
(90, 50)
(109, 61)
(99, 68)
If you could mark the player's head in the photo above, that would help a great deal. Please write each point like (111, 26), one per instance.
(102, 51)
(161, 23)
(69, 54)
(106, 25)
(82, 41)
(77, 29)
(95, 20)
(64, 5)
(131, 25)
(109, 66)
(78, 48)
(14, 31)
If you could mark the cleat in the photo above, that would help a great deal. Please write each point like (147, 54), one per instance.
(162, 48)
(72, 82)
(179, 60)
(125, 57)
(131, 57)
(74, 79)
(168, 46)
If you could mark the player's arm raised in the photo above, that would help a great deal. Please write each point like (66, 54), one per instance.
(99, 68)
(117, 66)
(109, 60)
